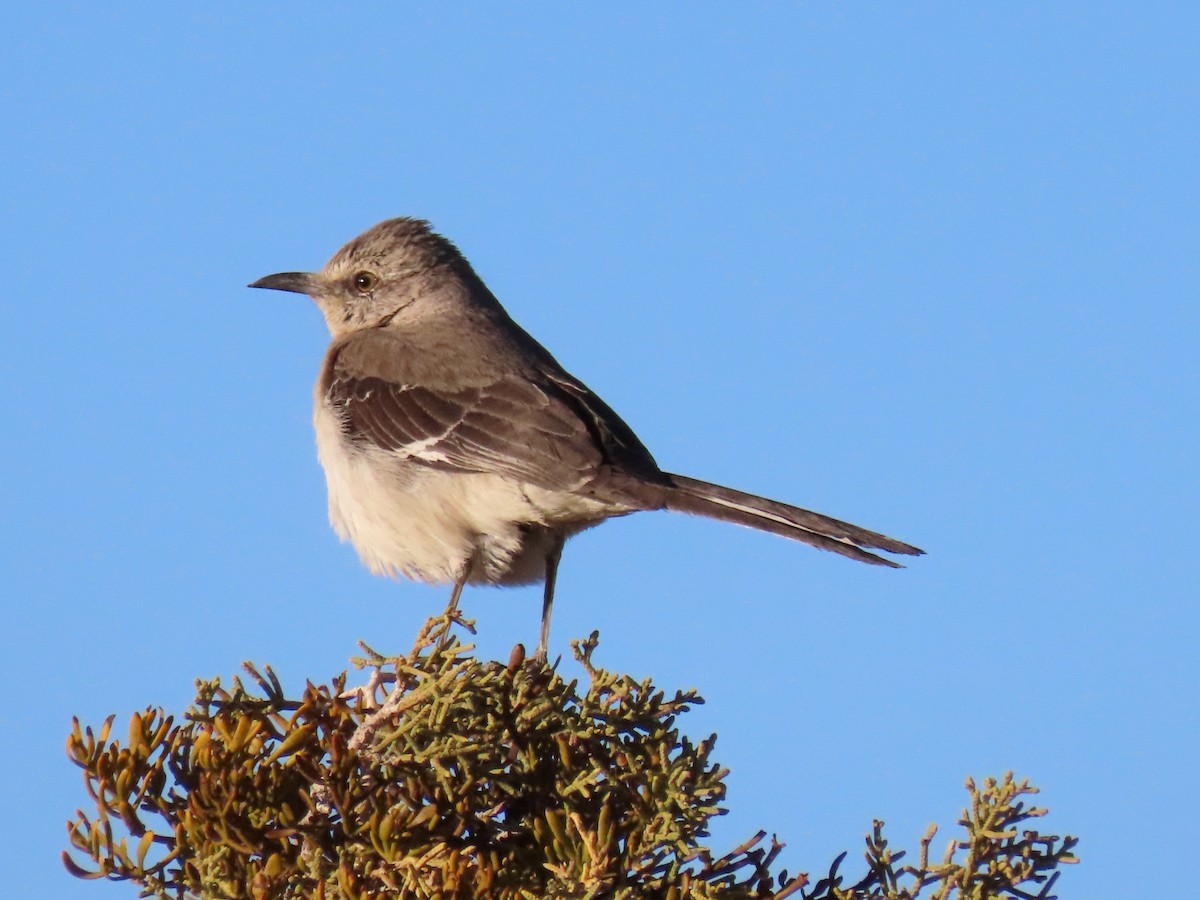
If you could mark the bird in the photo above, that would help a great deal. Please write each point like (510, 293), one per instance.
(456, 449)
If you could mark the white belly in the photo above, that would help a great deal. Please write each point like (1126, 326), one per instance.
(407, 518)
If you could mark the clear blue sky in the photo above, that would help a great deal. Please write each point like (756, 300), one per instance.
(932, 269)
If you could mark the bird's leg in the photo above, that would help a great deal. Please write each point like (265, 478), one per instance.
(452, 609)
(457, 592)
(552, 558)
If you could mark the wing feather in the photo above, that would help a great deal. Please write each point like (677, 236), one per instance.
(512, 427)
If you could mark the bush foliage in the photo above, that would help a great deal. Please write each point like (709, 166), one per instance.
(447, 776)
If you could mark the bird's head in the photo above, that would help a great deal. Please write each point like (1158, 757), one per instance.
(398, 270)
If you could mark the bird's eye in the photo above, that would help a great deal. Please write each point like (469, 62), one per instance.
(365, 282)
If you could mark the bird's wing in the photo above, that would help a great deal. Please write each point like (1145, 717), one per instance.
(533, 423)
(512, 427)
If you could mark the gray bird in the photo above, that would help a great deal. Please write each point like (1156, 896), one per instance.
(456, 449)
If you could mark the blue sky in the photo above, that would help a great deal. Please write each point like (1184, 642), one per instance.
(930, 268)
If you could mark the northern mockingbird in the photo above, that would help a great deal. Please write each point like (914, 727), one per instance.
(456, 449)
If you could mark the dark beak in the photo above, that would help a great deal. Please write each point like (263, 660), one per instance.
(296, 282)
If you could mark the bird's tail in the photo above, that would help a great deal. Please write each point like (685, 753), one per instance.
(701, 498)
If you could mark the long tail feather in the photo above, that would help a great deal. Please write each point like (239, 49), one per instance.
(701, 498)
